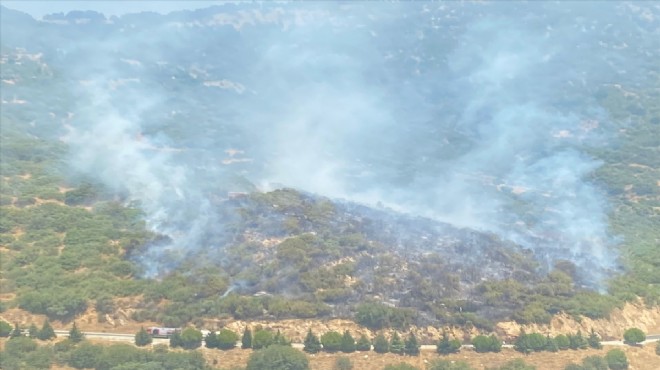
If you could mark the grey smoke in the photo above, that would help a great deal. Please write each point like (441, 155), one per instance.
(477, 115)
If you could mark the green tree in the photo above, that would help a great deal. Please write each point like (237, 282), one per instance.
(311, 342)
(277, 357)
(363, 344)
(347, 342)
(594, 363)
(142, 338)
(446, 346)
(483, 344)
(280, 339)
(33, 331)
(262, 339)
(594, 340)
(634, 336)
(411, 346)
(76, 335)
(211, 340)
(343, 363)
(657, 348)
(396, 344)
(522, 343)
(85, 356)
(227, 339)
(616, 359)
(246, 340)
(16, 333)
(551, 344)
(191, 338)
(175, 340)
(5, 329)
(331, 341)
(536, 342)
(563, 343)
(381, 345)
(577, 341)
(47, 332)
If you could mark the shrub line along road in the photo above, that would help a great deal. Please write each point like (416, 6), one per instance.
(123, 337)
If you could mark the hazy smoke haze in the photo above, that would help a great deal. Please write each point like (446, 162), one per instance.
(480, 115)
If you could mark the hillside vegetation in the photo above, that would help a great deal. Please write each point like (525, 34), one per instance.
(69, 242)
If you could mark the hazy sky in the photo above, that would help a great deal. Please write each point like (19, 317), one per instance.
(38, 9)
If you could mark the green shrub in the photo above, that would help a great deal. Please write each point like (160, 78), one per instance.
(381, 345)
(347, 343)
(363, 344)
(483, 344)
(634, 336)
(5, 329)
(446, 346)
(448, 365)
(312, 343)
(331, 341)
(278, 358)
(142, 338)
(616, 359)
(227, 339)
(396, 344)
(262, 339)
(343, 363)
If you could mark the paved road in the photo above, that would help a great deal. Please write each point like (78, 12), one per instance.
(123, 337)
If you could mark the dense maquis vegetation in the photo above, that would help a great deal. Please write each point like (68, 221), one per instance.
(24, 353)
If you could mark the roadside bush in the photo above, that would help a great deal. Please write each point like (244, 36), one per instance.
(400, 366)
(312, 343)
(483, 344)
(634, 336)
(347, 343)
(262, 339)
(331, 341)
(227, 339)
(446, 346)
(5, 329)
(563, 343)
(142, 338)
(381, 345)
(363, 344)
(396, 344)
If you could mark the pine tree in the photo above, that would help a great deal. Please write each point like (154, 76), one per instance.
(551, 344)
(312, 343)
(46, 332)
(75, 335)
(246, 340)
(446, 346)
(175, 340)
(581, 342)
(347, 343)
(280, 339)
(411, 346)
(33, 331)
(396, 344)
(211, 340)
(381, 345)
(363, 344)
(594, 340)
(142, 338)
(522, 343)
(16, 333)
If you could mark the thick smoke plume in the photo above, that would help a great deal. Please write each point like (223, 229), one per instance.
(480, 115)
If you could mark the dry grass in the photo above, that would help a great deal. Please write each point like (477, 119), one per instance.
(640, 358)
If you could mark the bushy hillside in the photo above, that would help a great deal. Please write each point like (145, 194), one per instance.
(335, 168)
